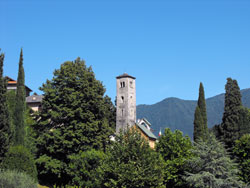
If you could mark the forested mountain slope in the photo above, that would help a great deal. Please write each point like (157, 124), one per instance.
(179, 114)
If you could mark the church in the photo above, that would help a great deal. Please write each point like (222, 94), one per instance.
(126, 109)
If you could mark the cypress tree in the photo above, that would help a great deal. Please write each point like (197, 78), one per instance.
(200, 117)
(5, 130)
(231, 117)
(203, 110)
(19, 113)
(198, 124)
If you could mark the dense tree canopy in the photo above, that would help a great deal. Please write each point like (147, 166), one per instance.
(131, 163)
(175, 150)
(74, 118)
(5, 129)
(242, 153)
(211, 166)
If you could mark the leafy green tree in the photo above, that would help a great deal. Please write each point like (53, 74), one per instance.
(242, 152)
(19, 112)
(198, 124)
(200, 116)
(231, 117)
(20, 159)
(211, 166)
(130, 162)
(175, 150)
(5, 129)
(83, 168)
(73, 119)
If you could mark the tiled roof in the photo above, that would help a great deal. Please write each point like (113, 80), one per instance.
(146, 131)
(12, 81)
(34, 98)
(125, 75)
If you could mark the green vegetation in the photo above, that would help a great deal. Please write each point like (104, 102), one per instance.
(230, 122)
(175, 149)
(19, 113)
(75, 117)
(178, 114)
(200, 117)
(242, 152)
(5, 129)
(130, 162)
(211, 166)
(84, 168)
(20, 159)
(14, 179)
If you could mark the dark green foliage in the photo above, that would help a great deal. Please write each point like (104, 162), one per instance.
(175, 113)
(74, 118)
(241, 150)
(231, 117)
(130, 162)
(19, 113)
(5, 129)
(244, 121)
(211, 166)
(11, 100)
(20, 159)
(203, 110)
(198, 125)
(83, 168)
(14, 179)
(175, 150)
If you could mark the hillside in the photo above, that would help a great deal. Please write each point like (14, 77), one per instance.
(179, 114)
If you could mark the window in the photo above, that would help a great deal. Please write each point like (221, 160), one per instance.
(122, 84)
(122, 99)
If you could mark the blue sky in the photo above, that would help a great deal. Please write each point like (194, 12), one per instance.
(169, 46)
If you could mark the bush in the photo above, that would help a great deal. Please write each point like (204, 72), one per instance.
(14, 179)
(19, 158)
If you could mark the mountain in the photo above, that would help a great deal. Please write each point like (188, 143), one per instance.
(176, 113)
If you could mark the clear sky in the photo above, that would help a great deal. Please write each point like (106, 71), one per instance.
(169, 46)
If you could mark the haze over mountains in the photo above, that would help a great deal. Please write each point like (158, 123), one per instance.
(176, 113)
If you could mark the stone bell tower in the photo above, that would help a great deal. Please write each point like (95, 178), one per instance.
(125, 102)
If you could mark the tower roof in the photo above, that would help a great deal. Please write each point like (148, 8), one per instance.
(125, 75)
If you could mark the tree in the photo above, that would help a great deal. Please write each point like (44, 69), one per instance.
(83, 168)
(175, 150)
(130, 162)
(5, 129)
(73, 119)
(241, 151)
(198, 125)
(203, 109)
(19, 113)
(200, 117)
(231, 116)
(20, 159)
(211, 166)
(244, 121)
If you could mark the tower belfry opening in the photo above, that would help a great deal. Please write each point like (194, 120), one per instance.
(126, 102)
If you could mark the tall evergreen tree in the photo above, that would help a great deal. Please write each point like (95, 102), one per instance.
(19, 113)
(231, 117)
(200, 117)
(198, 124)
(5, 130)
(203, 109)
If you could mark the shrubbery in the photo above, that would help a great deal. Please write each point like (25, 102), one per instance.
(14, 179)
(20, 159)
